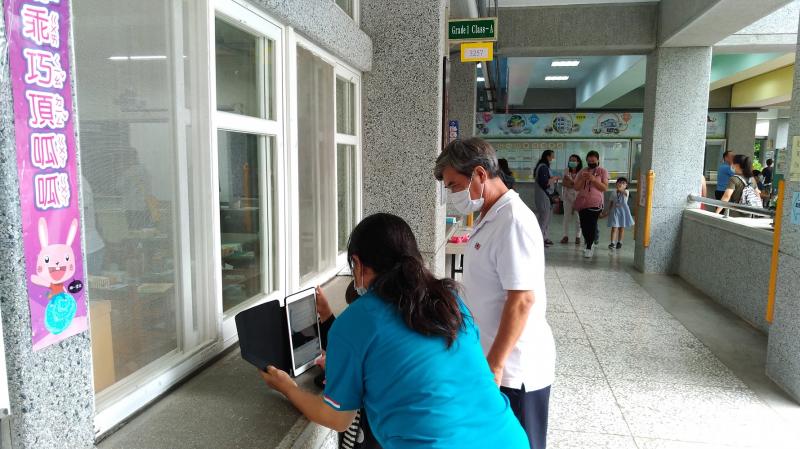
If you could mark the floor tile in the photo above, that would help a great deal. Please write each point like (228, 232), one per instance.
(703, 414)
(599, 326)
(575, 357)
(565, 325)
(585, 404)
(650, 443)
(560, 439)
(559, 304)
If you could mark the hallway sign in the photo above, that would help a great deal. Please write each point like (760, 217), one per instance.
(477, 52)
(472, 30)
(595, 125)
(38, 47)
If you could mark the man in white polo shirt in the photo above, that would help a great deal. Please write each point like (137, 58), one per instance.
(503, 281)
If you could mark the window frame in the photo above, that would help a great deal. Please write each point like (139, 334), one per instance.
(347, 72)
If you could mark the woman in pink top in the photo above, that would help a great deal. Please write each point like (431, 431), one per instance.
(591, 184)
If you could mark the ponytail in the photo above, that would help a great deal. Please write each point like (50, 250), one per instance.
(744, 163)
(429, 306)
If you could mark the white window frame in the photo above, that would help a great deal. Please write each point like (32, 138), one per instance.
(196, 345)
(356, 11)
(256, 22)
(343, 70)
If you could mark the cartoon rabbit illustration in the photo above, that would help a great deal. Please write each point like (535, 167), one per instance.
(55, 266)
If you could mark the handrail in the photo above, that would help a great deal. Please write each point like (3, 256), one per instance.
(737, 207)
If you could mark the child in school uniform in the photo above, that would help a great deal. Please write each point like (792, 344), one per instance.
(358, 435)
(619, 214)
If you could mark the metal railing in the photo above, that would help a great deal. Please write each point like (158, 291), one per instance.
(733, 206)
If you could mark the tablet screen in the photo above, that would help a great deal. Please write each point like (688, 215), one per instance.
(305, 333)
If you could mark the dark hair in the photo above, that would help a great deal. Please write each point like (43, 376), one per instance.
(429, 306)
(726, 153)
(769, 162)
(503, 164)
(464, 155)
(756, 172)
(545, 155)
(622, 179)
(744, 163)
(595, 154)
(350, 295)
(579, 167)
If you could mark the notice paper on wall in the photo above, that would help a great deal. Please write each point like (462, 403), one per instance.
(795, 211)
(38, 48)
(794, 160)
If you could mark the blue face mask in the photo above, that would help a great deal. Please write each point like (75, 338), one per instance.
(360, 291)
(572, 164)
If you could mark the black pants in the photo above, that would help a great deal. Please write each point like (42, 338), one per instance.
(718, 194)
(589, 219)
(530, 408)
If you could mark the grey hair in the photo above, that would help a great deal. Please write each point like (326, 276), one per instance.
(464, 155)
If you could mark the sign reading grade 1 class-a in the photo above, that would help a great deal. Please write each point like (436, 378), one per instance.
(472, 30)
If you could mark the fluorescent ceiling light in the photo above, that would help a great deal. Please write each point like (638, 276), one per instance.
(118, 58)
(556, 78)
(564, 63)
(479, 65)
(147, 58)
(481, 79)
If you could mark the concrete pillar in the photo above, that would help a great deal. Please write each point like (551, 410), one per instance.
(51, 392)
(462, 95)
(783, 354)
(675, 111)
(402, 117)
(741, 133)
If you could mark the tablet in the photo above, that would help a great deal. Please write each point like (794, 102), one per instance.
(263, 339)
(304, 336)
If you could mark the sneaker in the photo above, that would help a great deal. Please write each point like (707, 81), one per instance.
(565, 240)
(587, 253)
(612, 246)
(578, 241)
(619, 245)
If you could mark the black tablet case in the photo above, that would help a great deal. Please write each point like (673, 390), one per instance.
(263, 336)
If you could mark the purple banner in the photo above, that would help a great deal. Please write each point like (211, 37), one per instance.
(38, 34)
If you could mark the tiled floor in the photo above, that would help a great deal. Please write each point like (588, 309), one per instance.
(644, 362)
(631, 375)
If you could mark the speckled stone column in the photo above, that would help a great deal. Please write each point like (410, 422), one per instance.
(462, 95)
(741, 133)
(52, 398)
(674, 137)
(783, 356)
(402, 115)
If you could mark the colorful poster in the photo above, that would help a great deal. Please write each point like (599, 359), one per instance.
(38, 34)
(595, 125)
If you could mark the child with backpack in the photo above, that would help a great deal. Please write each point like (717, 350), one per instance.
(619, 214)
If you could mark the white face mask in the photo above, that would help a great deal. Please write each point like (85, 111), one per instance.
(463, 202)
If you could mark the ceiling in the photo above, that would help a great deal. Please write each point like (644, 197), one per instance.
(542, 68)
(513, 3)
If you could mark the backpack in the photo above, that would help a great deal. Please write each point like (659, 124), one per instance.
(749, 195)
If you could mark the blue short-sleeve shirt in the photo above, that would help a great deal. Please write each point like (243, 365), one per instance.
(724, 175)
(417, 393)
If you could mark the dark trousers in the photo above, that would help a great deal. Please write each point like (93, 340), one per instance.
(530, 408)
(589, 219)
(718, 194)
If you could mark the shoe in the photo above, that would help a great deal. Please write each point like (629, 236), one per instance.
(578, 241)
(548, 242)
(565, 240)
(612, 246)
(587, 254)
(619, 245)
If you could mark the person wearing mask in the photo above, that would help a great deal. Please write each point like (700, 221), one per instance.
(543, 192)
(509, 304)
(568, 195)
(591, 185)
(408, 352)
(506, 174)
(724, 174)
(743, 176)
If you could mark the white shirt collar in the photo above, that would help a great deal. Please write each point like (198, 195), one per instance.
(495, 209)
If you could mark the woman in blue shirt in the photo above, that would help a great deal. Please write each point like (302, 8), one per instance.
(408, 351)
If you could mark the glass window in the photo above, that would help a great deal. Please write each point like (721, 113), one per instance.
(345, 107)
(243, 163)
(346, 192)
(245, 78)
(128, 89)
(316, 146)
(346, 5)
